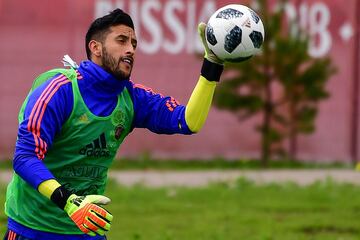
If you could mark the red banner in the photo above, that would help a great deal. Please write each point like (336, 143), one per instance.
(36, 34)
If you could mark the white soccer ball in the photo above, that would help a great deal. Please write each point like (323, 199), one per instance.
(234, 33)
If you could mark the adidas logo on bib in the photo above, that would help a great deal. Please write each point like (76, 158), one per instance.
(97, 148)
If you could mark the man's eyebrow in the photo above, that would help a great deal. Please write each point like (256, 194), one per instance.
(121, 35)
(126, 36)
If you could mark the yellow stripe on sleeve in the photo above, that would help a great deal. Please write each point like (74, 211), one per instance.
(199, 104)
(47, 187)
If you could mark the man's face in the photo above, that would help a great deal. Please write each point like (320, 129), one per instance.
(118, 51)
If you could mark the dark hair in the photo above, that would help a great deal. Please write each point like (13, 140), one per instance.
(101, 26)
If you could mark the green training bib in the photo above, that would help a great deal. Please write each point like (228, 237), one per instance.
(79, 159)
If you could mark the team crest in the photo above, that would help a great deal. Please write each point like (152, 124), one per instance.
(118, 131)
(118, 120)
(83, 118)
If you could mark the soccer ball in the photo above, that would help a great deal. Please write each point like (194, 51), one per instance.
(234, 33)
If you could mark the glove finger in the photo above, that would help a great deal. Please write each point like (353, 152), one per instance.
(93, 227)
(201, 31)
(100, 232)
(208, 53)
(98, 199)
(101, 212)
(91, 233)
(85, 230)
(99, 221)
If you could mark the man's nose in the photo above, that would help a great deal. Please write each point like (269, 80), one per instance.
(130, 49)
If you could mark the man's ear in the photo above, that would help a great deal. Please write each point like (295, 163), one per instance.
(95, 48)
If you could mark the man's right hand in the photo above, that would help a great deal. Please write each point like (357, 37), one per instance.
(88, 215)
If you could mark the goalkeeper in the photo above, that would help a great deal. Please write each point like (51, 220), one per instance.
(71, 125)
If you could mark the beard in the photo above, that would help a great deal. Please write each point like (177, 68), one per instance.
(112, 65)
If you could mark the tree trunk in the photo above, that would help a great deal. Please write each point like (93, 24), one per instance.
(266, 142)
(266, 127)
(292, 132)
(293, 144)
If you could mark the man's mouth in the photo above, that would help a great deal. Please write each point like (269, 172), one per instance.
(128, 60)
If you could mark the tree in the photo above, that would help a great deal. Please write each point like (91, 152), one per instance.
(283, 83)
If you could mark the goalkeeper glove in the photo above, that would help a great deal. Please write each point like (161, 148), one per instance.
(209, 55)
(212, 67)
(84, 211)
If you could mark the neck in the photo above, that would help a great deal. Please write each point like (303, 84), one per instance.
(96, 60)
(101, 81)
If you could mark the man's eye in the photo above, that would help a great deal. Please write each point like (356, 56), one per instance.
(121, 40)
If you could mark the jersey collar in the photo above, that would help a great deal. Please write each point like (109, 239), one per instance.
(102, 81)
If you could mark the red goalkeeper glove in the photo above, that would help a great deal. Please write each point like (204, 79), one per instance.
(85, 211)
(87, 215)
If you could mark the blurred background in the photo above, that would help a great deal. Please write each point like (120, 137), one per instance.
(296, 100)
(35, 35)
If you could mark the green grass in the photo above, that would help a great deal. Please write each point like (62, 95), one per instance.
(324, 211)
(146, 162)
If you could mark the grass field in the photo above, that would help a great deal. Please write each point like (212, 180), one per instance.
(323, 211)
(145, 162)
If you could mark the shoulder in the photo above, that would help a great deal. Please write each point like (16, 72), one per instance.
(55, 94)
(57, 83)
(56, 87)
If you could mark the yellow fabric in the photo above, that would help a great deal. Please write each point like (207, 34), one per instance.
(199, 104)
(47, 187)
(357, 167)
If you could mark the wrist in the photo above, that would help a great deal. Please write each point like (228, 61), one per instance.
(211, 71)
(60, 196)
(47, 187)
